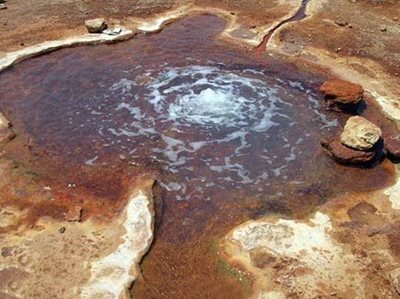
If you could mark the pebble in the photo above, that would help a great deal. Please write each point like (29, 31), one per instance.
(383, 29)
(61, 230)
(3, 6)
(341, 22)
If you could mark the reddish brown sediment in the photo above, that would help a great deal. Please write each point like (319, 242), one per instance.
(185, 252)
(63, 19)
(182, 257)
(60, 259)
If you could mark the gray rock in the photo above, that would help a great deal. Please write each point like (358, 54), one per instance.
(96, 25)
(360, 134)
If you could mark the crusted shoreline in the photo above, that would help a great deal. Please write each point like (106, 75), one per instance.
(382, 86)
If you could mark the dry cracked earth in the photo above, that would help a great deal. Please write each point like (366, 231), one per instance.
(63, 239)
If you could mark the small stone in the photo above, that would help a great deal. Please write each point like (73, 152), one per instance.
(113, 31)
(96, 25)
(7, 251)
(395, 19)
(6, 132)
(61, 230)
(360, 134)
(383, 29)
(3, 6)
(74, 214)
(341, 22)
(4, 122)
(392, 146)
(345, 155)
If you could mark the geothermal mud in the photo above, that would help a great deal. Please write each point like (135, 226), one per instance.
(229, 136)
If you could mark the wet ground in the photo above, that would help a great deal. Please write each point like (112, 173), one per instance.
(230, 137)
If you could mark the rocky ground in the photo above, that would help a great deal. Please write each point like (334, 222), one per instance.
(301, 258)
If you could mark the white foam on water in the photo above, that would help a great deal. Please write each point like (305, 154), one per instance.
(208, 97)
(209, 116)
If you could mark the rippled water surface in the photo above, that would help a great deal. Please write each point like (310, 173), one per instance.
(229, 138)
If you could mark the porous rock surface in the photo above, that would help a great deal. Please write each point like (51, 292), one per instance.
(55, 258)
(359, 133)
(302, 259)
(343, 92)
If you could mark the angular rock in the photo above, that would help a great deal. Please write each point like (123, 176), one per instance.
(4, 123)
(360, 134)
(74, 214)
(6, 131)
(96, 25)
(341, 22)
(345, 155)
(392, 146)
(341, 94)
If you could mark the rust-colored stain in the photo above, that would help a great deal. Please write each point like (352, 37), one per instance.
(64, 108)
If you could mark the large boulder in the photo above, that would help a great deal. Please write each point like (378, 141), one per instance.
(342, 95)
(360, 134)
(346, 155)
(96, 25)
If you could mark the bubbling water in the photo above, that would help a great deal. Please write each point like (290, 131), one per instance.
(213, 99)
(220, 128)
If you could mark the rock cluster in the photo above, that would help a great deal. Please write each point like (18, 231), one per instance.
(96, 25)
(342, 95)
(357, 142)
(6, 131)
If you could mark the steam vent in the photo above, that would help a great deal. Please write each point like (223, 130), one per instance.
(193, 149)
